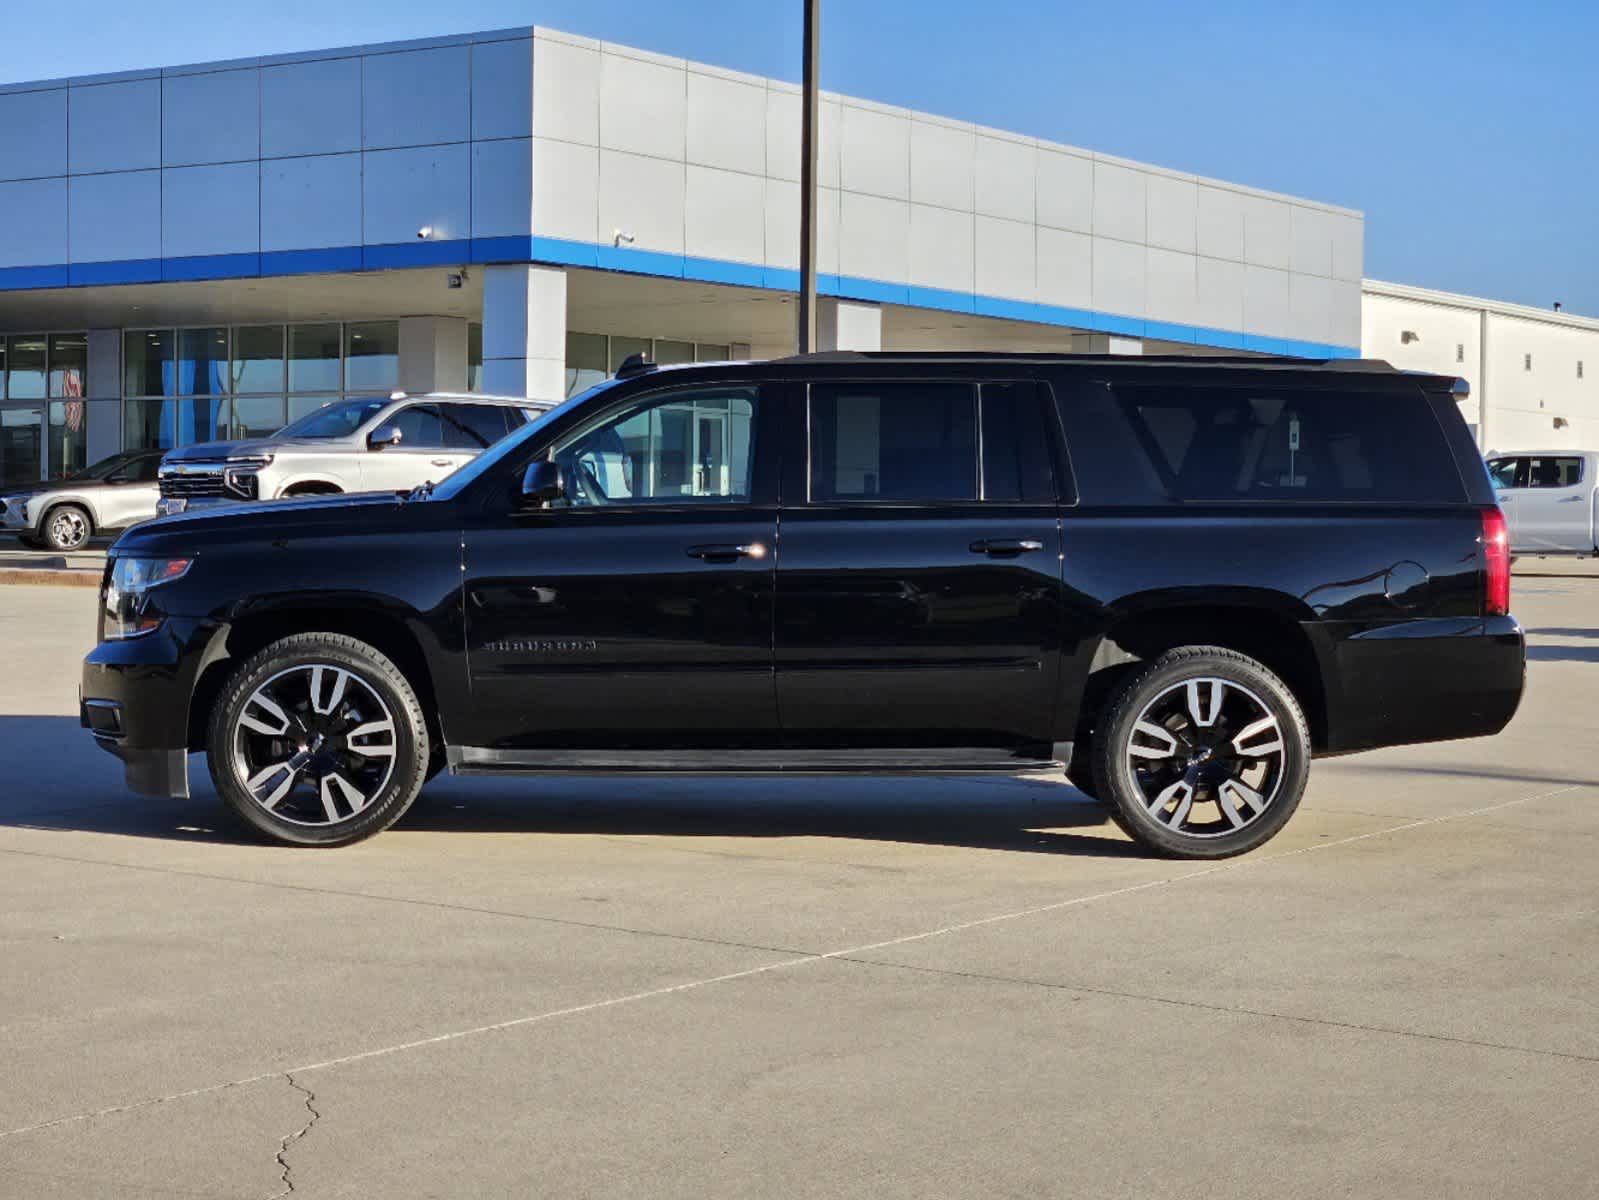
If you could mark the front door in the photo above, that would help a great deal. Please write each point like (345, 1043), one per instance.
(21, 445)
(634, 614)
(919, 599)
(423, 452)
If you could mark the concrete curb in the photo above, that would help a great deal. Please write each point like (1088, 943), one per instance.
(45, 577)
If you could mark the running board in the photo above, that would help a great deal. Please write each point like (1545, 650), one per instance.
(482, 760)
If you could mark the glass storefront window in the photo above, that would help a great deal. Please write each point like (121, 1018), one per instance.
(673, 352)
(585, 361)
(622, 348)
(25, 362)
(372, 356)
(314, 358)
(68, 436)
(20, 458)
(474, 357)
(2, 368)
(202, 362)
(202, 419)
(147, 363)
(149, 424)
(711, 352)
(69, 364)
(258, 358)
(256, 416)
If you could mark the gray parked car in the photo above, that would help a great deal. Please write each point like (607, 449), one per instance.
(367, 444)
(64, 513)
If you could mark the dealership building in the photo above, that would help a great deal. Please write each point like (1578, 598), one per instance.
(207, 251)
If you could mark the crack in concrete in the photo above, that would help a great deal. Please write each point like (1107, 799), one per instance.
(283, 1147)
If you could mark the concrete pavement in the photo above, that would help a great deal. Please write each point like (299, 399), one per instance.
(593, 987)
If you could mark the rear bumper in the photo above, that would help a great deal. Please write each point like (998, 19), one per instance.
(135, 698)
(1424, 681)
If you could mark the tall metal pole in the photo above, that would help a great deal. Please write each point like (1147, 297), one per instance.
(809, 110)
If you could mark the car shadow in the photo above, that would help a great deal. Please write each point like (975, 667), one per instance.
(1542, 653)
(56, 779)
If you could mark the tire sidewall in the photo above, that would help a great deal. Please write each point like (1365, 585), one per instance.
(376, 671)
(1114, 735)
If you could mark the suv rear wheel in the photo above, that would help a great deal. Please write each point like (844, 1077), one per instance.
(1202, 754)
(318, 740)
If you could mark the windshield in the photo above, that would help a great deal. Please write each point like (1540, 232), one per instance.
(104, 467)
(338, 419)
(457, 482)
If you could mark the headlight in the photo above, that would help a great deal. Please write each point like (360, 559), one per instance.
(130, 609)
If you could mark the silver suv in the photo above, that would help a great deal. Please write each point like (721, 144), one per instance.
(369, 444)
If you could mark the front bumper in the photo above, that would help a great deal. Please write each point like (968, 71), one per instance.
(169, 506)
(15, 522)
(136, 696)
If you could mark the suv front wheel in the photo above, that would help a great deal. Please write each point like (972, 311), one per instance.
(1204, 753)
(318, 740)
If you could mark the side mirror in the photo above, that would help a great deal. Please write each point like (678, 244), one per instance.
(542, 482)
(383, 437)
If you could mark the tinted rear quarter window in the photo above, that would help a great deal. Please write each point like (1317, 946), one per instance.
(1285, 445)
(1553, 472)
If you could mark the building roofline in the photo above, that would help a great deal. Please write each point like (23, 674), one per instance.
(324, 54)
(1460, 300)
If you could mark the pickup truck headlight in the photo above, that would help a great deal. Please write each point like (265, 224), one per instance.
(129, 607)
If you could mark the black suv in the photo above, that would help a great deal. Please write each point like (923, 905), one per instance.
(1180, 579)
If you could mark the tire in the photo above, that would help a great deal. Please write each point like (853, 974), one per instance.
(66, 527)
(1192, 776)
(339, 729)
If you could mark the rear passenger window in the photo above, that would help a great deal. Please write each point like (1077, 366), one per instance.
(1553, 472)
(1236, 444)
(473, 426)
(897, 442)
(1016, 442)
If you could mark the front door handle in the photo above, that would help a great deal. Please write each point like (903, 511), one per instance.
(995, 547)
(1571, 500)
(440, 462)
(727, 553)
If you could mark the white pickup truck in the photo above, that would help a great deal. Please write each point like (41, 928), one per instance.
(1549, 499)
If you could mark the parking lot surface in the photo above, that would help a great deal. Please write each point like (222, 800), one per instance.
(804, 987)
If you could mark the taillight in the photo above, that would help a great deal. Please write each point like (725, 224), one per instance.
(1496, 564)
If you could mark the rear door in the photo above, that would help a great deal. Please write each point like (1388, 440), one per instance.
(1552, 511)
(918, 581)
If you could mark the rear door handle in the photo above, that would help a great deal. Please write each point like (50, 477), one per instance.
(1571, 500)
(727, 553)
(1003, 546)
(441, 462)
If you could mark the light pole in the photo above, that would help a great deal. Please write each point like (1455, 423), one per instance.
(809, 108)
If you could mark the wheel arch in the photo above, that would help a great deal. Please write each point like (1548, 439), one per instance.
(1267, 627)
(379, 627)
(309, 485)
(77, 502)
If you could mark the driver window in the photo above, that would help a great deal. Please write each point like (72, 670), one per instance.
(689, 446)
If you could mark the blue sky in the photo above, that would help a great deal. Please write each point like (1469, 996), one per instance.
(1464, 130)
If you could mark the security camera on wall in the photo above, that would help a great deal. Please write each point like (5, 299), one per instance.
(425, 232)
